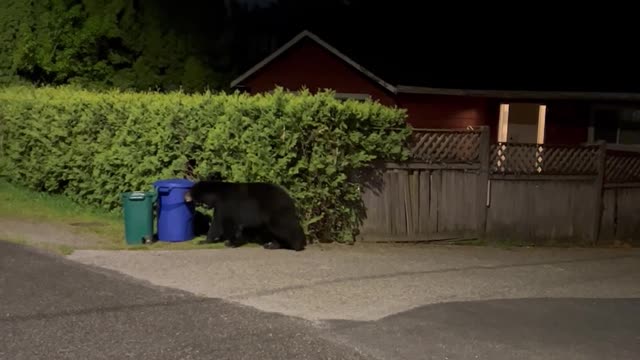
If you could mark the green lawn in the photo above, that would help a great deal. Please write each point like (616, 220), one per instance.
(21, 204)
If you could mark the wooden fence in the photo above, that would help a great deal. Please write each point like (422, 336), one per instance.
(458, 185)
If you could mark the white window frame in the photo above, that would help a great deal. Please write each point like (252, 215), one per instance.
(503, 122)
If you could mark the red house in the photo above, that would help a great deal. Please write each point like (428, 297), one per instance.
(556, 117)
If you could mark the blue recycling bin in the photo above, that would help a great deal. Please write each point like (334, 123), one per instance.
(175, 216)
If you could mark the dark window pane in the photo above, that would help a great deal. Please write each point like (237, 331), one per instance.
(606, 125)
(630, 127)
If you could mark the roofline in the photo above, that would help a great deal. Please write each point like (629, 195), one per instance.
(520, 94)
(334, 51)
(506, 94)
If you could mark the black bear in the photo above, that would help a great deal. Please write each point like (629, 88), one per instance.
(243, 210)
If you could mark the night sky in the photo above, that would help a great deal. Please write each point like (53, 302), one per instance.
(471, 46)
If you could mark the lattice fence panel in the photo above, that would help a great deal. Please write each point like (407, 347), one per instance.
(445, 146)
(514, 158)
(622, 168)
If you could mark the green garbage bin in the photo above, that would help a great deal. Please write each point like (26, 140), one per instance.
(138, 216)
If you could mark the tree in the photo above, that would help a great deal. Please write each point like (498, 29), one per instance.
(143, 44)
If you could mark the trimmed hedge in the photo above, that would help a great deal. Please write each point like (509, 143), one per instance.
(93, 146)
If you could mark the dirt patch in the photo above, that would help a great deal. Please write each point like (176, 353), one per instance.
(75, 236)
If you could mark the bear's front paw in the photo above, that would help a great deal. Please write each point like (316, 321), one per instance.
(272, 245)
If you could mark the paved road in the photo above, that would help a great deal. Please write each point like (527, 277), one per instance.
(368, 283)
(52, 308)
(532, 329)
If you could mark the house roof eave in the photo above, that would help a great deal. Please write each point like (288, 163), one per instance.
(325, 45)
(520, 94)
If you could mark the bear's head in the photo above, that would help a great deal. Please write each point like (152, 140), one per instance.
(203, 192)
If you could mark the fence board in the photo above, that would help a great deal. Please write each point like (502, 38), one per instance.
(414, 200)
(540, 210)
(402, 214)
(434, 200)
(628, 214)
(425, 202)
(607, 227)
(374, 201)
(457, 207)
(388, 201)
(502, 216)
(393, 201)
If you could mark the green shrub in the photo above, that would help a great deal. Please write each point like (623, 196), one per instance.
(93, 146)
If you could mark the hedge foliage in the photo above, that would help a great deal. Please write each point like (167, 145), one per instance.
(93, 146)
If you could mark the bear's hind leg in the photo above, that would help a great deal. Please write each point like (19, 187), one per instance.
(236, 236)
(288, 234)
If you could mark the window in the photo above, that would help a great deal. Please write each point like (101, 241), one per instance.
(616, 125)
(605, 125)
(629, 127)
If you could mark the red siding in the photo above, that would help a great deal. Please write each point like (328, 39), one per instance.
(441, 111)
(566, 122)
(309, 65)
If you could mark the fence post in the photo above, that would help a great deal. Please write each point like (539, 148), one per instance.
(598, 187)
(483, 180)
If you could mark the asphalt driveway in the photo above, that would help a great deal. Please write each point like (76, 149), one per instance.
(368, 283)
(325, 303)
(52, 308)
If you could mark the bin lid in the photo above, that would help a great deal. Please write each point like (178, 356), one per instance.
(174, 183)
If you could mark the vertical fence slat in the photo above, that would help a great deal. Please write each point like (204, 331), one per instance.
(425, 204)
(483, 180)
(598, 189)
(435, 189)
(404, 208)
(414, 198)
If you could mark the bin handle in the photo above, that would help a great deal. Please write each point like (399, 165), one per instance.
(137, 196)
(164, 189)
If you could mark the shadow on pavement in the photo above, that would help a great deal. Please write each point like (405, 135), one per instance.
(530, 328)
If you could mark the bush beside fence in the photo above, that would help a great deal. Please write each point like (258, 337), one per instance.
(93, 146)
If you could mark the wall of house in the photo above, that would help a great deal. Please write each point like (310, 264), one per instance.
(567, 122)
(309, 65)
(443, 111)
